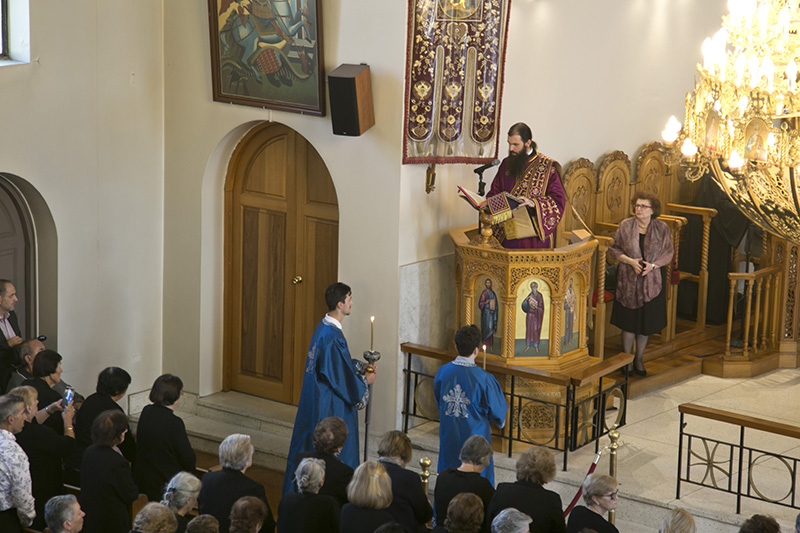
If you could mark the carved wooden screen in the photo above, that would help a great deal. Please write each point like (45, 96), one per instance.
(613, 189)
(579, 184)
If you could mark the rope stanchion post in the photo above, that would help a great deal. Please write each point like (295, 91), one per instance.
(612, 463)
(425, 465)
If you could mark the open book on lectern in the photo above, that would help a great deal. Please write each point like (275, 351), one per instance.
(508, 210)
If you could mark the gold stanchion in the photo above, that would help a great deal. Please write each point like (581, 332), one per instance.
(425, 464)
(612, 467)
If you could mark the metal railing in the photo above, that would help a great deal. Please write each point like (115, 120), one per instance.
(733, 467)
(571, 414)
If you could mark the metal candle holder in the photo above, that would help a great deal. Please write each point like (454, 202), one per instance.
(371, 357)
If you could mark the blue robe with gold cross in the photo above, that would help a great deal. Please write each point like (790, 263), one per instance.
(468, 398)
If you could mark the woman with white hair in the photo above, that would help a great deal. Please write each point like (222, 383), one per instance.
(600, 494)
(511, 521)
(221, 489)
(307, 511)
(474, 456)
(180, 496)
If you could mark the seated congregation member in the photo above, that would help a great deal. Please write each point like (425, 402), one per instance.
(410, 505)
(162, 448)
(369, 494)
(464, 515)
(221, 489)
(468, 398)
(154, 518)
(45, 451)
(759, 523)
(180, 496)
(475, 455)
(26, 354)
(329, 437)
(23, 363)
(107, 486)
(535, 467)
(600, 494)
(307, 511)
(204, 523)
(511, 521)
(248, 514)
(677, 521)
(47, 373)
(63, 514)
(112, 384)
(392, 527)
(16, 500)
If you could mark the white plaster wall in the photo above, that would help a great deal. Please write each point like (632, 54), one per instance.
(83, 123)
(588, 77)
(365, 171)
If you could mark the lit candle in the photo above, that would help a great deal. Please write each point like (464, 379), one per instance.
(371, 332)
(484, 357)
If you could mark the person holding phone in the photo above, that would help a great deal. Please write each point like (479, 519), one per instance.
(45, 449)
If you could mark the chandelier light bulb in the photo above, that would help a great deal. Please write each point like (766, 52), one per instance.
(671, 130)
(735, 162)
(739, 67)
(771, 139)
(791, 74)
(743, 102)
(688, 149)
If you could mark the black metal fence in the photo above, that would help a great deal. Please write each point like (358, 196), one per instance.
(733, 466)
(569, 413)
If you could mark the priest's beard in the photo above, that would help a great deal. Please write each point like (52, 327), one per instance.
(516, 164)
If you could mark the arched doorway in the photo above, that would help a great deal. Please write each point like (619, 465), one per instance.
(281, 252)
(29, 256)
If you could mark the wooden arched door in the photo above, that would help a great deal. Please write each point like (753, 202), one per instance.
(17, 261)
(281, 252)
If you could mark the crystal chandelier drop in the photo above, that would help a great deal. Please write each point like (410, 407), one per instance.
(742, 117)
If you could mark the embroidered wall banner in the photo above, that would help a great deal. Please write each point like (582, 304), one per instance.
(455, 57)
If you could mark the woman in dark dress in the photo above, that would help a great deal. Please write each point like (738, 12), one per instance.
(464, 515)
(642, 246)
(535, 467)
(180, 497)
(112, 384)
(474, 456)
(369, 494)
(47, 372)
(600, 495)
(162, 446)
(410, 505)
(45, 451)
(307, 511)
(107, 487)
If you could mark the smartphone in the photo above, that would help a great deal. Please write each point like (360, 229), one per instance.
(69, 393)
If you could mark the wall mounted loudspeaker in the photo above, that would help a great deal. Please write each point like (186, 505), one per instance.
(350, 91)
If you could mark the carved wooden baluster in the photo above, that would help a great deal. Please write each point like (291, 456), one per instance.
(730, 318)
(766, 331)
(756, 321)
(600, 316)
(702, 285)
(747, 311)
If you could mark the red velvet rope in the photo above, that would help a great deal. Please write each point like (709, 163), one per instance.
(580, 489)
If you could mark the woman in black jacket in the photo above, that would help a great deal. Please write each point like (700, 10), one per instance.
(162, 445)
(107, 487)
(535, 467)
(307, 511)
(410, 505)
(112, 384)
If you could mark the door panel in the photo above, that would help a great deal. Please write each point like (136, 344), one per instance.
(281, 253)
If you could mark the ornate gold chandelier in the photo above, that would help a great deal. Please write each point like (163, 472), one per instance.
(742, 118)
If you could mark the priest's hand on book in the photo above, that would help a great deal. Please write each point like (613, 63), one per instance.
(527, 202)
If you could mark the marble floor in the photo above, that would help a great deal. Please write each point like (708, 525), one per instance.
(648, 458)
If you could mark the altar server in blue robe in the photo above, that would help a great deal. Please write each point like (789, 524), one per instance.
(468, 398)
(334, 384)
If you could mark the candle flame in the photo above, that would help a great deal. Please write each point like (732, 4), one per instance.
(372, 319)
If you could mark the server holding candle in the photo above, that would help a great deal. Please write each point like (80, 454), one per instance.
(334, 384)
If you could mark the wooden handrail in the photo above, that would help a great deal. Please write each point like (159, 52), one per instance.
(758, 274)
(693, 210)
(593, 372)
(601, 369)
(750, 422)
(491, 365)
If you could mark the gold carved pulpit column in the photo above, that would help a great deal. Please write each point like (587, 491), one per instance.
(555, 325)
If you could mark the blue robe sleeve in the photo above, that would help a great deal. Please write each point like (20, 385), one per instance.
(336, 368)
(496, 401)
